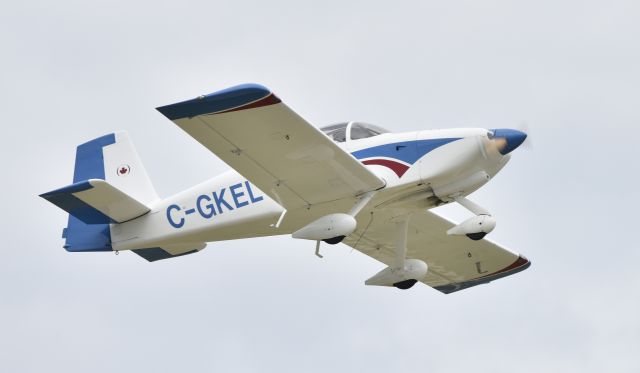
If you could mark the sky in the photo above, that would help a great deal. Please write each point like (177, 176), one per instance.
(567, 70)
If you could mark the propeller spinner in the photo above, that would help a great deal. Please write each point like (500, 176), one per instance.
(506, 140)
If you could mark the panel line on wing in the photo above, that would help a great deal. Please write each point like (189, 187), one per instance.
(279, 181)
(287, 158)
(434, 272)
(364, 231)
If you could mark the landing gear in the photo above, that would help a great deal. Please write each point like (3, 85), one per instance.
(476, 236)
(402, 227)
(330, 241)
(477, 227)
(332, 228)
(406, 284)
(403, 273)
(334, 240)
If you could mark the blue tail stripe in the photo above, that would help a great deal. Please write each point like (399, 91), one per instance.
(89, 165)
(89, 159)
(87, 237)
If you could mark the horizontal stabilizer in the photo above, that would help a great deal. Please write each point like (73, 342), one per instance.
(95, 201)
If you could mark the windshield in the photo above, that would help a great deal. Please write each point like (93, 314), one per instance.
(365, 130)
(358, 130)
(338, 132)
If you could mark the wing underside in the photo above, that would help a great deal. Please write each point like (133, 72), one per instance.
(455, 263)
(256, 134)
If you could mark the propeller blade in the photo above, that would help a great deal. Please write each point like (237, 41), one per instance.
(524, 127)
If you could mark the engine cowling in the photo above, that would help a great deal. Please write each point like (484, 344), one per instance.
(327, 227)
(466, 185)
(413, 271)
(475, 227)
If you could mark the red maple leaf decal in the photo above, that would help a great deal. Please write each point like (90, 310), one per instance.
(123, 170)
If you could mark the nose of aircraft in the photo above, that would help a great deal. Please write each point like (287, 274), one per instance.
(513, 138)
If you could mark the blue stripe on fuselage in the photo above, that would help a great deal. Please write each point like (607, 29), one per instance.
(405, 151)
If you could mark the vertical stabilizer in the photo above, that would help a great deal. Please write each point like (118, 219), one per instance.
(124, 170)
(95, 204)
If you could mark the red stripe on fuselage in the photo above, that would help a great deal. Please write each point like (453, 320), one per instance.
(396, 167)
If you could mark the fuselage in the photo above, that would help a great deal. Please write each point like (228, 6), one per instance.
(421, 170)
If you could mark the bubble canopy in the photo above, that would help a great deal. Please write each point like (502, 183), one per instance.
(356, 130)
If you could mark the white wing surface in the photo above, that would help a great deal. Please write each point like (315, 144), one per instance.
(455, 262)
(251, 130)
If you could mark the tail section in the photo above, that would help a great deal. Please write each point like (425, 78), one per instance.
(124, 170)
(110, 185)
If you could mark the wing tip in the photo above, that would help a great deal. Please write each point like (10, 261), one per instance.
(243, 96)
(519, 265)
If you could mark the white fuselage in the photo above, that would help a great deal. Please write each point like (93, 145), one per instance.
(422, 169)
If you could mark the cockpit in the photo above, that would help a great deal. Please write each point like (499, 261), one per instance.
(355, 131)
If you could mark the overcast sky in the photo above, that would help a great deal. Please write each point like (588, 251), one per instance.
(75, 70)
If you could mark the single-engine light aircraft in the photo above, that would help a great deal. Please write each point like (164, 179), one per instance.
(350, 182)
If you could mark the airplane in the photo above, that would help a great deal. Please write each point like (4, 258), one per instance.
(350, 182)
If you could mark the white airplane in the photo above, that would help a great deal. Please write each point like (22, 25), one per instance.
(350, 182)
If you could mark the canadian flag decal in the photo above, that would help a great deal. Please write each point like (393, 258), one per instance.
(123, 170)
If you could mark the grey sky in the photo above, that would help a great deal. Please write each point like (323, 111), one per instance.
(75, 70)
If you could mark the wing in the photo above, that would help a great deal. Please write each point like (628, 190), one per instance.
(251, 130)
(455, 263)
